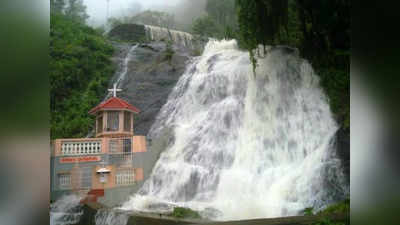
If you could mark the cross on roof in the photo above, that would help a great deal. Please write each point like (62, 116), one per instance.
(114, 90)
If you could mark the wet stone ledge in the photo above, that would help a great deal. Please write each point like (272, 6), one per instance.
(128, 32)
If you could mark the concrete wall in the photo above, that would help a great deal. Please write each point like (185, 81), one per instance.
(142, 163)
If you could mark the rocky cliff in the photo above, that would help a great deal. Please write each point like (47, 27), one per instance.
(153, 70)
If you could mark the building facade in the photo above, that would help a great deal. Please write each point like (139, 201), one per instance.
(106, 168)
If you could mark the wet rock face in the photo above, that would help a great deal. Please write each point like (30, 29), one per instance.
(128, 32)
(150, 78)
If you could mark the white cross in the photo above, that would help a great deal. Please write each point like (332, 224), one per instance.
(114, 90)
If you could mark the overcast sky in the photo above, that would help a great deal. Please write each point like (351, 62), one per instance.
(97, 9)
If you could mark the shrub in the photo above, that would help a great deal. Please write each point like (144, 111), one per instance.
(341, 207)
(308, 211)
(169, 52)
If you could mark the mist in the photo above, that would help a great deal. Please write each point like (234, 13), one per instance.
(185, 11)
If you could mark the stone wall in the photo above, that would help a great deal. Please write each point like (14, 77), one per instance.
(128, 32)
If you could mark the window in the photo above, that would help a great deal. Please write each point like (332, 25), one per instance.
(127, 121)
(113, 148)
(125, 177)
(99, 124)
(127, 146)
(113, 121)
(65, 181)
(85, 177)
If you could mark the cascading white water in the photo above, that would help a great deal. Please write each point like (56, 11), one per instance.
(177, 37)
(66, 210)
(125, 63)
(246, 146)
(121, 74)
(107, 217)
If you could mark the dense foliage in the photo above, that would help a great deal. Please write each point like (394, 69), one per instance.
(219, 22)
(260, 21)
(204, 26)
(80, 68)
(72, 9)
(325, 27)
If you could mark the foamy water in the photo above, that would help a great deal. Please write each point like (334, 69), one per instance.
(244, 146)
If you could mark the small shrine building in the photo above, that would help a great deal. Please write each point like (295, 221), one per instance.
(108, 166)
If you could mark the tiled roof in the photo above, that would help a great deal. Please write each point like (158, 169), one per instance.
(114, 103)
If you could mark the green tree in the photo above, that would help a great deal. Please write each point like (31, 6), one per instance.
(113, 22)
(292, 35)
(72, 9)
(325, 26)
(80, 68)
(204, 26)
(57, 6)
(260, 22)
(224, 14)
(221, 15)
(76, 11)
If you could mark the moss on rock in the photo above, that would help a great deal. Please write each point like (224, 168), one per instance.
(181, 212)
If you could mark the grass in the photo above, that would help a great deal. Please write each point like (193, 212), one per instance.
(337, 208)
(341, 207)
(308, 211)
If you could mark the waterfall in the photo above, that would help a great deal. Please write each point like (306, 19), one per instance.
(121, 73)
(181, 38)
(125, 64)
(244, 146)
(107, 217)
(66, 210)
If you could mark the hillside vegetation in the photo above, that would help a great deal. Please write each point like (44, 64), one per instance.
(80, 68)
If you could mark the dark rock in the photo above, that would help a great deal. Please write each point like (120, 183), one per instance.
(88, 216)
(343, 150)
(150, 79)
